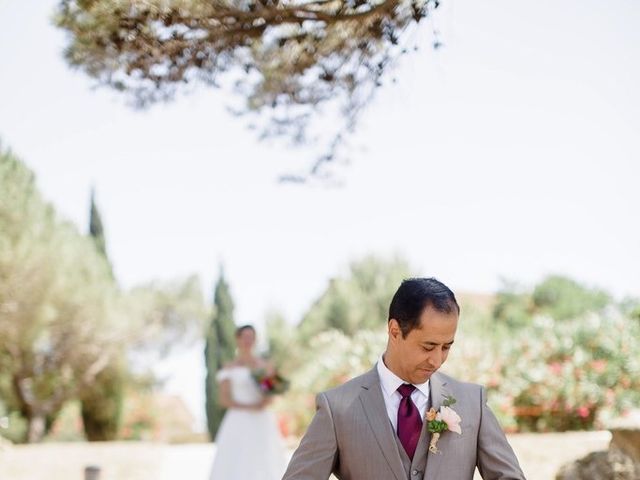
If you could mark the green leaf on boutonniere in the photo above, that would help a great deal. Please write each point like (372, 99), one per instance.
(448, 401)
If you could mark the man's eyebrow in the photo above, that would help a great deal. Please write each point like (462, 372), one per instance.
(436, 344)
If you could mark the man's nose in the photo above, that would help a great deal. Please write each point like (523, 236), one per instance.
(437, 358)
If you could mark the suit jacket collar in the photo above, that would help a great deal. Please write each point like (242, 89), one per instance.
(439, 391)
(376, 413)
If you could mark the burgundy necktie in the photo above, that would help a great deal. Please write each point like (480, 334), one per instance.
(409, 421)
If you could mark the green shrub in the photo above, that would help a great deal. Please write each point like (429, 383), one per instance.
(102, 405)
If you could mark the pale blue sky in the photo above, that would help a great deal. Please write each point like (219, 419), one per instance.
(512, 152)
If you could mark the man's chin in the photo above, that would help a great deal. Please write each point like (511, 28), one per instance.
(424, 375)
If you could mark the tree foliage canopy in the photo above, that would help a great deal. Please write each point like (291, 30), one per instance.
(358, 301)
(564, 298)
(556, 296)
(284, 56)
(63, 321)
(57, 327)
(163, 314)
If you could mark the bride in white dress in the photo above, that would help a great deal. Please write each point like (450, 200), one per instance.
(248, 443)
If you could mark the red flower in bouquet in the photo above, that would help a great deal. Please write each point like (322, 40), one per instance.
(270, 383)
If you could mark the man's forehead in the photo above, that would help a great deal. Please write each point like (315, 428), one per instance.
(443, 333)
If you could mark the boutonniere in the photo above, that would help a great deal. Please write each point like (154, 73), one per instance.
(444, 419)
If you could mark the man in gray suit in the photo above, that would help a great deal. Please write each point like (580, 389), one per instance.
(374, 427)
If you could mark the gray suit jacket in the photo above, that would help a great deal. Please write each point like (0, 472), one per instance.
(351, 437)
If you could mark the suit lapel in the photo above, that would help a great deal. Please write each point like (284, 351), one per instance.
(376, 413)
(438, 393)
(422, 449)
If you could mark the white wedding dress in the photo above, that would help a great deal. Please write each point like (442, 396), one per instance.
(248, 443)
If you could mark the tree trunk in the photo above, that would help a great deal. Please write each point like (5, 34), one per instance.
(36, 428)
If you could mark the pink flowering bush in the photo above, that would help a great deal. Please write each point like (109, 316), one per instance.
(558, 375)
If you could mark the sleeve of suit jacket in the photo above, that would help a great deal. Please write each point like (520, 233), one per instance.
(495, 460)
(317, 454)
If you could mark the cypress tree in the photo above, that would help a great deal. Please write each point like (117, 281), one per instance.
(219, 349)
(101, 405)
(96, 230)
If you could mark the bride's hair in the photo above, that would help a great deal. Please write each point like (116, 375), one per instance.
(241, 329)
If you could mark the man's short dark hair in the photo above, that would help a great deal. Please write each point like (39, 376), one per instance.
(416, 294)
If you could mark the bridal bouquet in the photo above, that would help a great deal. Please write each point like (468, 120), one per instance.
(270, 383)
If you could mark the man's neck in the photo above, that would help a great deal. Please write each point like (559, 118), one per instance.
(391, 366)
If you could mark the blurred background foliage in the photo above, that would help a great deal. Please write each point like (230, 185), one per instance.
(68, 331)
(77, 349)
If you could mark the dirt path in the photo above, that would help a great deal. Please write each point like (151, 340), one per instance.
(540, 456)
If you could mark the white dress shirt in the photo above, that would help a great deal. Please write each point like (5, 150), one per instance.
(390, 382)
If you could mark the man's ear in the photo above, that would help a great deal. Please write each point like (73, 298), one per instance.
(394, 329)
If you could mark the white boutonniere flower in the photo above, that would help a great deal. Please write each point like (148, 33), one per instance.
(439, 421)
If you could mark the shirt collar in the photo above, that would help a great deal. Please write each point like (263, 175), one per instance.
(390, 381)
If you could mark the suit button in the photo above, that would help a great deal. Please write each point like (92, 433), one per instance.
(416, 472)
